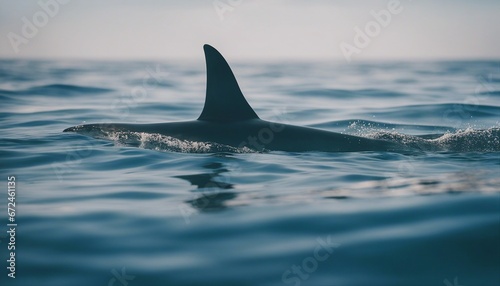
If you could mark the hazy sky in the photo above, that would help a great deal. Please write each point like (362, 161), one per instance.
(250, 29)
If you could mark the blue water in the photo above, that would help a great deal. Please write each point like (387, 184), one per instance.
(145, 210)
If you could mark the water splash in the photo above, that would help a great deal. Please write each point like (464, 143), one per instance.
(164, 143)
(467, 140)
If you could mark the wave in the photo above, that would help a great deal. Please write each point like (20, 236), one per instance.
(57, 90)
(344, 93)
(467, 140)
(490, 93)
(445, 111)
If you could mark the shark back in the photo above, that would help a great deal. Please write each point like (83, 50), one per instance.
(224, 101)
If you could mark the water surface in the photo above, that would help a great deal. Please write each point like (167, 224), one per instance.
(146, 210)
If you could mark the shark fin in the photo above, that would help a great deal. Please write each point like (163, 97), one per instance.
(224, 100)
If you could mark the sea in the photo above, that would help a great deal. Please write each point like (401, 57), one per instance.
(152, 210)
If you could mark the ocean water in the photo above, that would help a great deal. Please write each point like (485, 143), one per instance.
(136, 209)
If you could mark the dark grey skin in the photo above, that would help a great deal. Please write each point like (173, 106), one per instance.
(228, 119)
(255, 134)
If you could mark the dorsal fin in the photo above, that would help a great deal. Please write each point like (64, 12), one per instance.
(224, 100)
